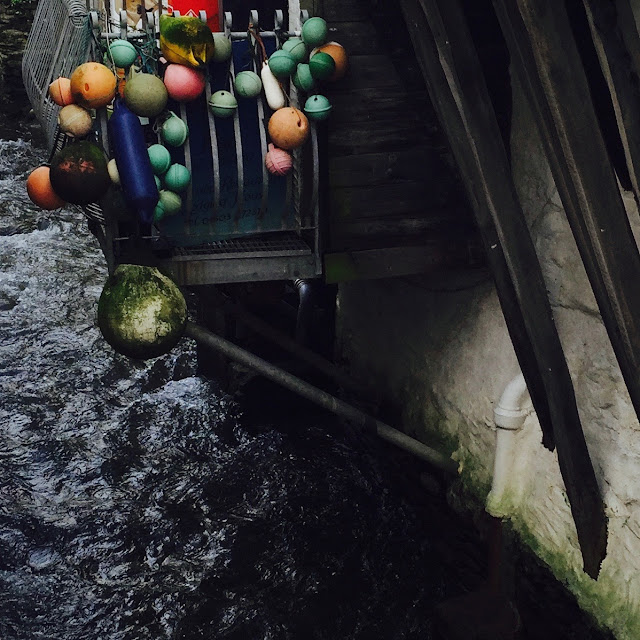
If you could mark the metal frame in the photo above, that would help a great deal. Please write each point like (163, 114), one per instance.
(193, 265)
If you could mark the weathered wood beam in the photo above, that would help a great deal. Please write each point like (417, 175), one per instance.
(621, 78)
(550, 70)
(450, 65)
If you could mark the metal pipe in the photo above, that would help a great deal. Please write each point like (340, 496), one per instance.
(322, 398)
(305, 310)
(281, 339)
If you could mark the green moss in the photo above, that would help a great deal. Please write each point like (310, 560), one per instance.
(141, 313)
(603, 599)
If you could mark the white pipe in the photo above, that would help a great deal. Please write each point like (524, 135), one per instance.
(509, 417)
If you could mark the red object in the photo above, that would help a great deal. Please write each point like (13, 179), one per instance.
(192, 7)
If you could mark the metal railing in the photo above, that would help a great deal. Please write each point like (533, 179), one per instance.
(58, 42)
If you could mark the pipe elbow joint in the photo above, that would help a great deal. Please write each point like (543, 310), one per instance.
(514, 405)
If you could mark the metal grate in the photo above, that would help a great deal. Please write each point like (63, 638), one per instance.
(58, 42)
(277, 244)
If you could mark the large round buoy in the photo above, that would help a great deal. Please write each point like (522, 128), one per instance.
(146, 95)
(79, 173)
(288, 128)
(75, 121)
(93, 85)
(339, 55)
(41, 192)
(60, 91)
(141, 312)
(183, 83)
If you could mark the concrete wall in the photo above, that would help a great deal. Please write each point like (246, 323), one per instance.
(438, 348)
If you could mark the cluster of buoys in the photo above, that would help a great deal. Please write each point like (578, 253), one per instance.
(308, 61)
(81, 173)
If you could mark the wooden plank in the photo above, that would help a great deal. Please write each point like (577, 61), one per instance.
(358, 38)
(623, 82)
(454, 76)
(558, 93)
(371, 169)
(391, 262)
(380, 232)
(374, 106)
(628, 29)
(373, 70)
(386, 200)
(345, 10)
(364, 138)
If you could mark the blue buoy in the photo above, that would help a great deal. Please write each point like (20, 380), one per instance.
(128, 147)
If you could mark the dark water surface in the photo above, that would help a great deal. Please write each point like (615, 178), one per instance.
(136, 501)
(135, 504)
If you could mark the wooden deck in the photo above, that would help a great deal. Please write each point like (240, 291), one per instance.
(390, 181)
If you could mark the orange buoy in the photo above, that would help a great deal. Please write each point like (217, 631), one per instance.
(41, 192)
(339, 55)
(288, 128)
(93, 85)
(60, 91)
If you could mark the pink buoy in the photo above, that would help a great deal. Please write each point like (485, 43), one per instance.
(183, 83)
(278, 161)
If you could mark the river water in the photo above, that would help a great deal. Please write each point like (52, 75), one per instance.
(136, 503)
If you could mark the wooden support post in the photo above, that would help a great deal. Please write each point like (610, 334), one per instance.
(621, 78)
(450, 65)
(548, 64)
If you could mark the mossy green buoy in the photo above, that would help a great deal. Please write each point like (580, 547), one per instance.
(79, 173)
(141, 312)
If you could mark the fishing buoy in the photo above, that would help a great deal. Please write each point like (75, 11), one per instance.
(303, 80)
(177, 178)
(221, 47)
(123, 53)
(141, 312)
(186, 40)
(248, 84)
(145, 95)
(272, 89)
(339, 55)
(183, 84)
(322, 66)
(128, 146)
(315, 32)
(169, 204)
(41, 192)
(288, 128)
(60, 91)
(282, 64)
(112, 168)
(278, 161)
(75, 121)
(79, 173)
(297, 48)
(92, 85)
(223, 104)
(317, 107)
(174, 131)
(160, 158)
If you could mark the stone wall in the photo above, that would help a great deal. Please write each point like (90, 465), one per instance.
(438, 351)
